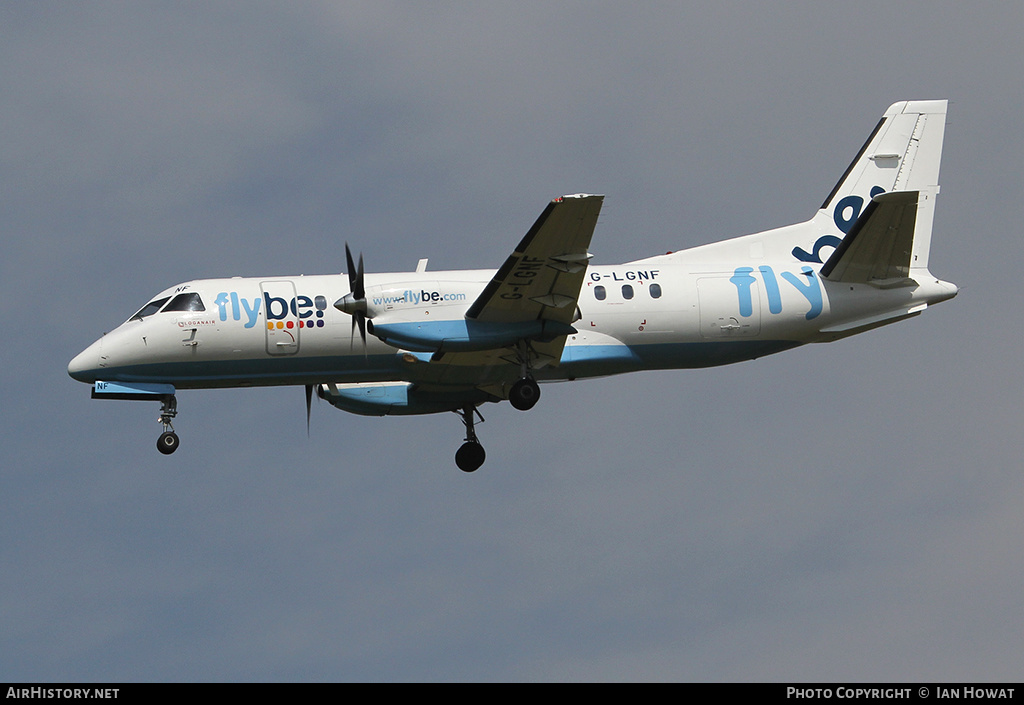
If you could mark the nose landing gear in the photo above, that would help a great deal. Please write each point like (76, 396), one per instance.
(168, 441)
(139, 391)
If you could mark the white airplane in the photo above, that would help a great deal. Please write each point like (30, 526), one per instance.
(451, 341)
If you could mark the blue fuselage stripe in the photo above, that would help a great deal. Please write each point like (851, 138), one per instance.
(577, 361)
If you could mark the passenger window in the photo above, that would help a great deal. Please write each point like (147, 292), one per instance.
(186, 302)
(150, 308)
(655, 290)
(627, 291)
(599, 293)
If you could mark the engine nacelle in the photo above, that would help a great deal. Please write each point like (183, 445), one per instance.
(397, 398)
(464, 335)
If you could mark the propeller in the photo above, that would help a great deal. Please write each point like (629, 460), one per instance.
(309, 405)
(354, 302)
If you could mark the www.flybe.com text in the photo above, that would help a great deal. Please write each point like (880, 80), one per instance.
(416, 297)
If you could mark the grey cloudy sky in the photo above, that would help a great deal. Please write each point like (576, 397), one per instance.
(844, 511)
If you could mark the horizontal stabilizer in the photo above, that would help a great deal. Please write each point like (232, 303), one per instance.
(861, 325)
(880, 246)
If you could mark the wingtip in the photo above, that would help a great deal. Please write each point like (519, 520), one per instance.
(577, 195)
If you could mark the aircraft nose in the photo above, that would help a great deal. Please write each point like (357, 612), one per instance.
(85, 365)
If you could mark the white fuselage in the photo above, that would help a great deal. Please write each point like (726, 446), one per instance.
(660, 313)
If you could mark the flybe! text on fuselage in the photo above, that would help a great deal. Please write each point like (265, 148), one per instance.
(275, 308)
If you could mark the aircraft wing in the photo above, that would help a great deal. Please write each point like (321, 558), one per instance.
(542, 278)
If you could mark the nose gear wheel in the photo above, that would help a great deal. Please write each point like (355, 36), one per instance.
(168, 441)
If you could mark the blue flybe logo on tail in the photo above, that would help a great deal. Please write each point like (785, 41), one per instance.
(844, 215)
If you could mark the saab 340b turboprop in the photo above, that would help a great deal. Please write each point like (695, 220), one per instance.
(450, 341)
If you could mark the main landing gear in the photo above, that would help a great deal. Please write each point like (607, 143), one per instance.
(524, 394)
(168, 441)
(470, 455)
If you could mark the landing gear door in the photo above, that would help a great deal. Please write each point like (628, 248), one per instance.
(281, 316)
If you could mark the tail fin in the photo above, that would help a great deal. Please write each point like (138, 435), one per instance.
(902, 154)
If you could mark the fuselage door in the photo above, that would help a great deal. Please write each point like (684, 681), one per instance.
(282, 320)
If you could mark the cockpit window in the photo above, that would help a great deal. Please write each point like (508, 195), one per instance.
(186, 302)
(150, 308)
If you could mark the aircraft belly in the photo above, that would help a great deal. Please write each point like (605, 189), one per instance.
(708, 353)
(601, 360)
(261, 372)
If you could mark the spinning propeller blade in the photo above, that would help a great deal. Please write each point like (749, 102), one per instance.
(354, 303)
(309, 405)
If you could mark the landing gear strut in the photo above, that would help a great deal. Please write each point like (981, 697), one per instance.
(470, 455)
(168, 441)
